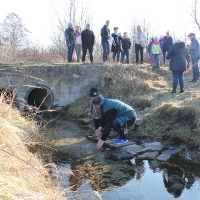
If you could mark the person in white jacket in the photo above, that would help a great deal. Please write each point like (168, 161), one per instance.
(140, 41)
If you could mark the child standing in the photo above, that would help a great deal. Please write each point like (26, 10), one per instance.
(94, 112)
(149, 50)
(155, 52)
(126, 45)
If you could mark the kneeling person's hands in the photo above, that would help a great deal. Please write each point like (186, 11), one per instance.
(100, 144)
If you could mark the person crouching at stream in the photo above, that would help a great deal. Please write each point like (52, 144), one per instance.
(94, 112)
(116, 115)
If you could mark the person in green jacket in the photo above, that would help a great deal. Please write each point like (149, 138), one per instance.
(155, 51)
(115, 114)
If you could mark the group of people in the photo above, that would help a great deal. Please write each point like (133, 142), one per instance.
(78, 42)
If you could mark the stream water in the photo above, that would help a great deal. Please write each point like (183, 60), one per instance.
(93, 171)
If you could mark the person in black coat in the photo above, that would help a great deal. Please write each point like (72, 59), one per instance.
(88, 40)
(178, 55)
(126, 45)
(105, 35)
(166, 44)
(116, 45)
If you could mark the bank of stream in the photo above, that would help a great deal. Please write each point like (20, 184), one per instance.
(95, 175)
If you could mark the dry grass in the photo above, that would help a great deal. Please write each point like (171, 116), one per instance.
(22, 174)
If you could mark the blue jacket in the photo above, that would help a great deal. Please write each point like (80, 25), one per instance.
(178, 56)
(194, 48)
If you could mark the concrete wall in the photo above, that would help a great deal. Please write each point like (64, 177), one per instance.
(66, 83)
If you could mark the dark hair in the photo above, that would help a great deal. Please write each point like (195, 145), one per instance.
(97, 100)
(115, 28)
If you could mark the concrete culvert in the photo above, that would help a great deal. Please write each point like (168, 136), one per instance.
(40, 97)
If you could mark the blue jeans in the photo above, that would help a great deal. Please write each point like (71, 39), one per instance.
(177, 77)
(106, 50)
(70, 52)
(195, 68)
(164, 56)
(125, 53)
(155, 60)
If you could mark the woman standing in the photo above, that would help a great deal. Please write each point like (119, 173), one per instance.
(178, 56)
(70, 36)
(116, 45)
(140, 41)
(78, 43)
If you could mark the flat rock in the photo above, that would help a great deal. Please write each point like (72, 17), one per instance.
(191, 154)
(120, 155)
(166, 155)
(163, 157)
(148, 156)
(134, 149)
(139, 121)
(84, 121)
(153, 146)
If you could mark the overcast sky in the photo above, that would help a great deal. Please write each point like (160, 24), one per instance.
(164, 15)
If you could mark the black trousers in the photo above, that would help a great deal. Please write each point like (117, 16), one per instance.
(97, 123)
(139, 48)
(120, 129)
(116, 54)
(85, 48)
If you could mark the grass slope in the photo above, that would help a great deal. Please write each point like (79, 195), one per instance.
(22, 174)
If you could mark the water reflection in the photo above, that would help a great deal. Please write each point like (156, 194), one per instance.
(142, 180)
(176, 180)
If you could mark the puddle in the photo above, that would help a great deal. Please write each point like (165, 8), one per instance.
(119, 180)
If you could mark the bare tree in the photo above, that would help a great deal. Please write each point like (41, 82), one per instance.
(195, 12)
(13, 32)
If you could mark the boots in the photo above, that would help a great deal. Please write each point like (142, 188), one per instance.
(181, 87)
(174, 87)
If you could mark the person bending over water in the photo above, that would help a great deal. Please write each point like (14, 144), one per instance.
(116, 115)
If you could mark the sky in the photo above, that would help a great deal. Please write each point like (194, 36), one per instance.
(165, 15)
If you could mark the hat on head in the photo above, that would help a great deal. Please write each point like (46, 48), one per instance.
(179, 40)
(87, 25)
(94, 92)
(191, 34)
(156, 38)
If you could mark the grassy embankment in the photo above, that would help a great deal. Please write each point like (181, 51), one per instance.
(168, 117)
(22, 173)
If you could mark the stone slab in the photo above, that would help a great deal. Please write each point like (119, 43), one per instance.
(119, 154)
(153, 146)
(148, 156)
(166, 155)
(134, 149)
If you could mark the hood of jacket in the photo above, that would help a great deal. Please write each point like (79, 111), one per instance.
(180, 45)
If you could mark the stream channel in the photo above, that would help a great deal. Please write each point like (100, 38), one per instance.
(95, 176)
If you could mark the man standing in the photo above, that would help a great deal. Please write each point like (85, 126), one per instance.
(194, 51)
(88, 39)
(115, 114)
(140, 41)
(70, 36)
(126, 45)
(105, 35)
(167, 43)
